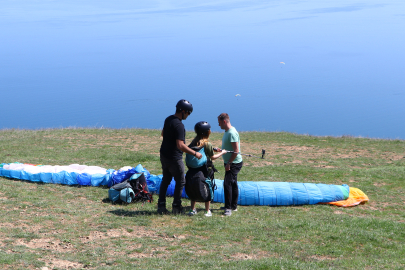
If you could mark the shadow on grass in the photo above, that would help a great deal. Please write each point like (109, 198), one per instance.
(127, 213)
(132, 213)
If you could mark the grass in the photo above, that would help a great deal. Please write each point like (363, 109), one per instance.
(57, 226)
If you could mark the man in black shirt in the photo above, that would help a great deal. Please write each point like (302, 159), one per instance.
(171, 156)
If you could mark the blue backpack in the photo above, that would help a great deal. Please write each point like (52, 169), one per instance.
(125, 195)
(194, 162)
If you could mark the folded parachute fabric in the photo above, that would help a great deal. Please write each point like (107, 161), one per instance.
(250, 192)
(73, 174)
(271, 193)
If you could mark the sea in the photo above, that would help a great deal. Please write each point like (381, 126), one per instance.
(321, 68)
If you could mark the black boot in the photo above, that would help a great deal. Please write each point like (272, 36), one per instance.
(178, 210)
(162, 209)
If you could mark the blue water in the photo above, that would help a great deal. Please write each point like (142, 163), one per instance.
(99, 63)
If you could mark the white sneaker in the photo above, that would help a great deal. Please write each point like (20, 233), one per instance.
(208, 213)
(224, 208)
(192, 212)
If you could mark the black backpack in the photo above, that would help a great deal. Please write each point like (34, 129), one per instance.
(140, 187)
(200, 183)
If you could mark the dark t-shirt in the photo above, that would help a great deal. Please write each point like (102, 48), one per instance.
(173, 130)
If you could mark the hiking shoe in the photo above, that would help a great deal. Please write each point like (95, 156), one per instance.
(178, 210)
(163, 211)
(208, 213)
(228, 212)
(192, 212)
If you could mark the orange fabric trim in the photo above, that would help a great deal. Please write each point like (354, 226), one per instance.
(356, 197)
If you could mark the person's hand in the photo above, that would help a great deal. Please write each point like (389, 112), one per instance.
(224, 151)
(227, 167)
(198, 155)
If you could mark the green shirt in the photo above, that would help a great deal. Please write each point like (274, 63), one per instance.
(229, 137)
(209, 150)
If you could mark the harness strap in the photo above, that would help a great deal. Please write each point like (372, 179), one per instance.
(144, 194)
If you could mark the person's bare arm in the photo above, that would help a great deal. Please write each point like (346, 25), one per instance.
(214, 157)
(184, 148)
(235, 147)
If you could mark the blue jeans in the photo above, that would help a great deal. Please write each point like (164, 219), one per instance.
(171, 169)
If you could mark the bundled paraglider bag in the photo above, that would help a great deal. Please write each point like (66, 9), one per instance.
(121, 193)
(134, 189)
(198, 187)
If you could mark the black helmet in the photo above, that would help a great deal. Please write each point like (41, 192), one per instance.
(202, 127)
(184, 105)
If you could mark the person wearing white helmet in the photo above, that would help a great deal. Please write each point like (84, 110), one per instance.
(171, 156)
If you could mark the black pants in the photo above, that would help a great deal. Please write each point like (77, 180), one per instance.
(171, 168)
(231, 190)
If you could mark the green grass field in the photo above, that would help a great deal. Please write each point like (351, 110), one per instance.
(60, 227)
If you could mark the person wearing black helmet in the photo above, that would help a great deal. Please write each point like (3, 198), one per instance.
(171, 156)
(203, 131)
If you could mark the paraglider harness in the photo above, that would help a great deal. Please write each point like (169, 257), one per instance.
(200, 183)
(134, 189)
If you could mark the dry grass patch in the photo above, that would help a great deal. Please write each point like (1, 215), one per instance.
(322, 258)
(168, 221)
(8, 225)
(290, 154)
(55, 263)
(50, 244)
(382, 206)
(137, 232)
(252, 256)
(379, 184)
(325, 166)
(137, 255)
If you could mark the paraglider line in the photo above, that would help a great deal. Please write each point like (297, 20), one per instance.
(248, 155)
